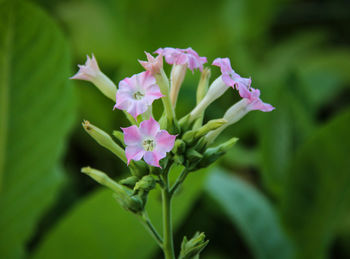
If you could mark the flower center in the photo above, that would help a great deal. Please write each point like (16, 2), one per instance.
(138, 95)
(148, 144)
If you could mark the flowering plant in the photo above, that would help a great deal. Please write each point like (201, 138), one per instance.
(151, 148)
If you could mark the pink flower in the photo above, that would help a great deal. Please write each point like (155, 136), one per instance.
(154, 65)
(89, 71)
(137, 93)
(147, 141)
(183, 57)
(255, 103)
(231, 78)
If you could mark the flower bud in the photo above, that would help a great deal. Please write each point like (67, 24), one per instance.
(91, 72)
(119, 135)
(179, 146)
(177, 77)
(147, 183)
(232, 115)
(193, 135)
(217, 88)
(104, 140)
(129, 181)
(202, 89)
(154, 65)
(214, 153)
(121, 194)
(191, 248)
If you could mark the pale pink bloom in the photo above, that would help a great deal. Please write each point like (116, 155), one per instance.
(137, 93)
(154, 65)
(147, 141)
(187, 57)
(89, 71)
(255, 103)
(231, 78)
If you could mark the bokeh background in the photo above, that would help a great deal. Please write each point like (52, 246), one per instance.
(282, 192)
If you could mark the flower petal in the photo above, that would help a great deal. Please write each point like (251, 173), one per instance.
(134, 152)
(132, 135)
(149, 128)
(164, 141)
(153, 157)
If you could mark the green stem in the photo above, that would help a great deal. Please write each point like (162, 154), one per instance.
(168, 244)
(151, 229)
(179, 181)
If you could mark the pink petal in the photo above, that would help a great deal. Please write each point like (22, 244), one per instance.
(149, 128)
(88, 71)
(132, 135)
(134, 153)
(153, 157)
(164, 141)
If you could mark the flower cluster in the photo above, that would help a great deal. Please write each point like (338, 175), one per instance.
(166, 141)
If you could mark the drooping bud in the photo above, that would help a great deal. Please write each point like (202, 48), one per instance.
(91, 72)
(191, 248)
(104, 140)
(217, 88)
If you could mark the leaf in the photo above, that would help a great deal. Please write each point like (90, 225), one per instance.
(108, 231)
(252, 213)
(317, 191)
(35, 113)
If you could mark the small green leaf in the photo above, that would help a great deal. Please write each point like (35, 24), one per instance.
(253, 215)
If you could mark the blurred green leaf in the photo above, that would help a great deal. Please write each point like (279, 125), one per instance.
(252, 213)
(36, 113)
(317, 191)
(108, 231)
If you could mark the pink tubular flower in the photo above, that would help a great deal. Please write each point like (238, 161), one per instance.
(147, 141)
(255, 103)
(183, 56)
(154, 65)
(137, 93)
(231, 78)
(89, 71)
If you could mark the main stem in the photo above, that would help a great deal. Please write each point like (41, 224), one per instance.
(168, 244)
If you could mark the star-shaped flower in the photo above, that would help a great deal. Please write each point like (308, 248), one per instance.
(153, 64)
(147, 141)
(137, 93)
(89, 71)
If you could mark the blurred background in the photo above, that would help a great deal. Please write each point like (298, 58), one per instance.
(282, 192)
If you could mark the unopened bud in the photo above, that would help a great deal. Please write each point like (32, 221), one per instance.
(214, 153)
(232, 115)
(203, 84)
(177, 77)
(91, 72)
(191, 248)
(119, 135)
(193, 156)
(193, 135)
(179, 146)
(147, 183)
(104, 140)
(129, 181)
